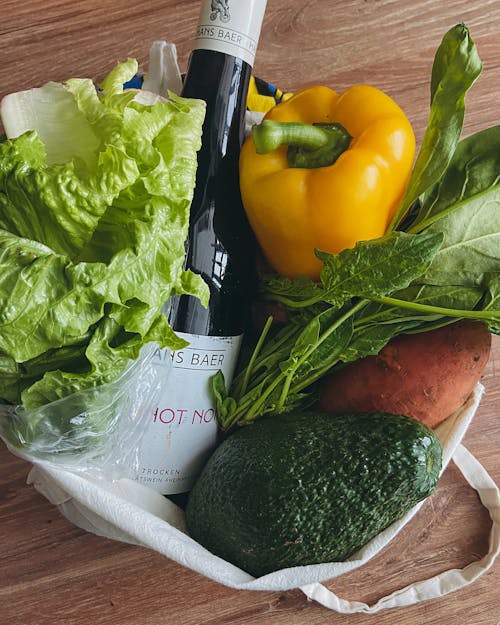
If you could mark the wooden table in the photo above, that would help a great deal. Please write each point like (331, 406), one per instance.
(52, 572)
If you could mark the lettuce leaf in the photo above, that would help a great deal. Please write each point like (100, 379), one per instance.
(95, 191)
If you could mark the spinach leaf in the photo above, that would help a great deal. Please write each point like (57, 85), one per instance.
(375, 268)
(456, 66)
(465, 206)
(307, 338)
(367, 270)
(327, 350)
(492, 299)
(471, 242)
(225, 405)
(473, 170)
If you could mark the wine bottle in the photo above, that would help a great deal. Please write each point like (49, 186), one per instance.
(220, 246)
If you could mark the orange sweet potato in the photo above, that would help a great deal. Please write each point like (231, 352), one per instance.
(427, 376)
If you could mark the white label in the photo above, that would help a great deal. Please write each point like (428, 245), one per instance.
(231, 26)
(182, 431)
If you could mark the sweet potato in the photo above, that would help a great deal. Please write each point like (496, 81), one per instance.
(427, 376)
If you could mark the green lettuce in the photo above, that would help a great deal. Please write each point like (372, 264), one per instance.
(95, 191)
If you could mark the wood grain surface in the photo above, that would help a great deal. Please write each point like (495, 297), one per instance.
(54, 573)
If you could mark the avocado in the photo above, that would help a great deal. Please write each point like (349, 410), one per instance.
(308, 487)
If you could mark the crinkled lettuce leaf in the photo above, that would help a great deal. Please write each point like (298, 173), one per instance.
(95, 191)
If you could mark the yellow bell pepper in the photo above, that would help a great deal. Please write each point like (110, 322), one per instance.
(295, 205)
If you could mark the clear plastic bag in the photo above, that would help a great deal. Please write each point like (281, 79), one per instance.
(97, 430)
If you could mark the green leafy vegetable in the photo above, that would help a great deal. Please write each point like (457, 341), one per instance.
(95, 190)
(465, 207)
(456, 66)
(365, 271)
(304, 351)
(445, 266)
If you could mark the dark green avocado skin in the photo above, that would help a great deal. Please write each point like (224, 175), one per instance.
(307, 487)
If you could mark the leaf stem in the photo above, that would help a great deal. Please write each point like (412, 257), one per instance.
(255, 353)
(267, 353)
(447, 312)
(254, 410)
(291, 303)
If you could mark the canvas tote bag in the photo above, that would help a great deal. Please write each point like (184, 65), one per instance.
(127, 511)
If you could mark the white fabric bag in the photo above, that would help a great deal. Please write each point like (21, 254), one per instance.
(130, 512)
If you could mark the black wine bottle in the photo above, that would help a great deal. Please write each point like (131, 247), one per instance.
(220, 247)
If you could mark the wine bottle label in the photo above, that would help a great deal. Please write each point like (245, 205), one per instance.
(231, 26)
(182, 430)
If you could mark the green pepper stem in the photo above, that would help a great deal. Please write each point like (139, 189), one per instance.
(309, 145)
(270, 135)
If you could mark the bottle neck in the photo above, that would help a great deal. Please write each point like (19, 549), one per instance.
(231, 27)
